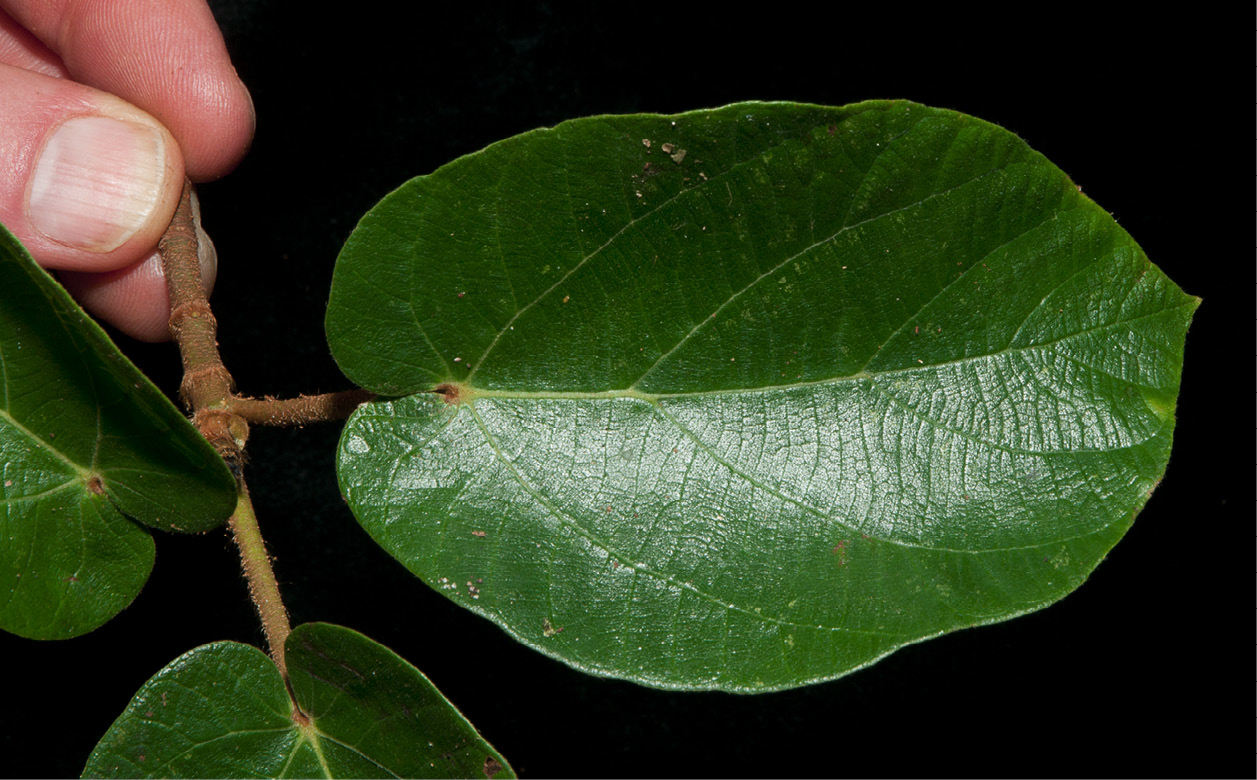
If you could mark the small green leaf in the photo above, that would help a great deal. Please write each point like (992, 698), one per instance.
(221, 710)
(749, 398)
(87, 442)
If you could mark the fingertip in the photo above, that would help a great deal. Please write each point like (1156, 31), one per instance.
(205, 105)
(103, 188)
(90, 182)
(214, 149)
(165, 56)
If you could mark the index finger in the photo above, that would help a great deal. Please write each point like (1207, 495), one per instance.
(164, 56)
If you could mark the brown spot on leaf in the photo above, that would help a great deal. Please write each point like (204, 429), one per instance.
(478, 533)
(452, 393)
(491, 766)
(96, 485)
(299, 717)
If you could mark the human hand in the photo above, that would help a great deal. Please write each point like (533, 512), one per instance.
(105, 107)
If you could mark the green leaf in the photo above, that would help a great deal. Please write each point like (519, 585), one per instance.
(222, 710)
(749, 398)
(86, 442)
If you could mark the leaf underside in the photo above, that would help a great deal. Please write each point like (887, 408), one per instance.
(87, 445)
(749, 398)
(221, 710)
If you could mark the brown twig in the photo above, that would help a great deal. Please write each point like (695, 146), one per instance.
(207, 391)
(223, 417)
(206, 384)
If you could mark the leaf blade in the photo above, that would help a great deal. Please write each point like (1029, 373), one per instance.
(222, 710)
(87, 442)
(877, 372)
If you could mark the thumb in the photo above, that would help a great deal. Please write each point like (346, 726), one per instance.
(88, 182)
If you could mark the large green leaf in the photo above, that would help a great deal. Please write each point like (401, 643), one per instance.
(222, 710)
(749, 398)
(86, 443)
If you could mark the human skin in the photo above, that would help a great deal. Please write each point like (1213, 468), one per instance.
(105, 107)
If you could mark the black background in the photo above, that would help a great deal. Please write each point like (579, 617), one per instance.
(1140, 672)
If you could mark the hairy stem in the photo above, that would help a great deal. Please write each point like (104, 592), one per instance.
(263, 587)
(206, 384)
(206, 390)
(299, 411)
(223, 417)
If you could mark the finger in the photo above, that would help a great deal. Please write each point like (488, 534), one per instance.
(164, 56)
(23, 50)
(87, 181)
(135, 299)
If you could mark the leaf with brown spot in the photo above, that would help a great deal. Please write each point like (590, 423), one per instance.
(365, 712)
(90, 449)
(491, 766)
(886, 324)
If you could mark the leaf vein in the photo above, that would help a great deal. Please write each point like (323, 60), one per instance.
(633, 221)
(565, 519)
(774, 269)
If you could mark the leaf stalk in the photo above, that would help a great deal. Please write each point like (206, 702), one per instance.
(299, 411)
(263, 587)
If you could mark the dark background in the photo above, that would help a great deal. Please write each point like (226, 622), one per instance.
(1140, 672)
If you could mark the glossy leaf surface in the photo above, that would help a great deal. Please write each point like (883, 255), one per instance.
(221, 710)
(749, 398)
(88, 445)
